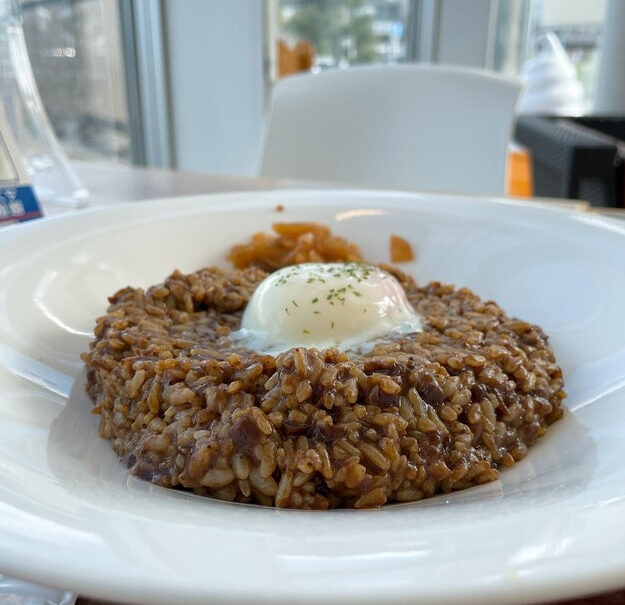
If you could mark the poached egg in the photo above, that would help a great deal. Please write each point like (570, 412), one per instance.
(322, 305)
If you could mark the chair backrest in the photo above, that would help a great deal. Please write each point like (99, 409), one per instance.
(402, 126)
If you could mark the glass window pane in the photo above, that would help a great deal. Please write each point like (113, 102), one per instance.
(579, 26)
(76, 54)
(348, 32)
(511, 33)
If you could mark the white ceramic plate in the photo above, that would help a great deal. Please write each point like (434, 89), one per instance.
(71, 517)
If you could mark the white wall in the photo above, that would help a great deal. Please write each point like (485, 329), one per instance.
(215, 62)
(464, 35)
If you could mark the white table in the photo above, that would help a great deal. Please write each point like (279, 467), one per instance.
(110, 183)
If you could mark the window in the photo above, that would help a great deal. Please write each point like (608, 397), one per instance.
(578, 25)
(76, 54)
(511, 36)
(348, 32)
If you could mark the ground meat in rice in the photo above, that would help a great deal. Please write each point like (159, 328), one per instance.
(436, 411)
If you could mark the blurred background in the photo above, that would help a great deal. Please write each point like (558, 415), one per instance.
(185, 83)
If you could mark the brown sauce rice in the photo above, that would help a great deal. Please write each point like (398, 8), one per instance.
(436, 411)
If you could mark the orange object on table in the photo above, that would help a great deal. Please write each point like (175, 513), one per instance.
(293, 60)
(519, 181)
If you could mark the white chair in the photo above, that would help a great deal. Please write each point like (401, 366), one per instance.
(402, 127)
